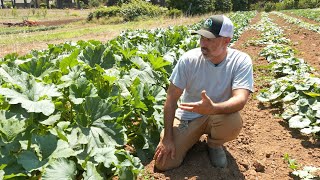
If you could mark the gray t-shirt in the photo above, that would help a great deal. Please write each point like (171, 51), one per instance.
(193, 73)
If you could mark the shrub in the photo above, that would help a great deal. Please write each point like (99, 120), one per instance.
(43, 5)
(224, 6)
(129, 11)
(240, 5)
(288, 4)
(8, 5)
(104, 12)
(140, 8)
(304, 4)
(94, 3)
(269, 6)
(193, 6)
(173, 13)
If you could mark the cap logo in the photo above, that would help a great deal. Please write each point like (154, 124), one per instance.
(208, 23)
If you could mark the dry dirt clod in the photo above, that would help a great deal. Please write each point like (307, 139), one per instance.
(259, 167)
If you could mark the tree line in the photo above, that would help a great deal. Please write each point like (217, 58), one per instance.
(186, 6)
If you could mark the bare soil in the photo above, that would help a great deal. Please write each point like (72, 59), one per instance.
(258, 151)
(59, 22)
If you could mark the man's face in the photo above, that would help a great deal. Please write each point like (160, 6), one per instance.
(213, 47)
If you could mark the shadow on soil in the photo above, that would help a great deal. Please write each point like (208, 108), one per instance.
(306, 141)
(197, 165)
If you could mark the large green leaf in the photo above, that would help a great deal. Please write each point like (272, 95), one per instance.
(64, 150)
(94, 54)
(74, 73)
(60, 169)
(299, 122)
(14, 76)
(37, 66)
(30, 161)
(102, 134)
(70, 61)
(105, 155)
(47, 144)
(80, 89)
(94, 109)
(34, 97)
(11, 125)
(91, 173)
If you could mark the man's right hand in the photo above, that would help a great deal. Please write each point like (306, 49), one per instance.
(166, 149)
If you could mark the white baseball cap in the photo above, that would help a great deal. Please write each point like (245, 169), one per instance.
(216, 26)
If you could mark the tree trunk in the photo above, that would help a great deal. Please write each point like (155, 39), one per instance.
(159, 2)
(111, 2)
(36, 4)
(48, 4)
(78, 4)
(25, 4)
(13, 2)
(2, 5)
(59, 4)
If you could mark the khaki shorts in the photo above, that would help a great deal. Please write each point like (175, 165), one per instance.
(220, 129)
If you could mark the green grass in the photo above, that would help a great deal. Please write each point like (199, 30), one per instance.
(83, 28)
(18, 39)
(17, 15)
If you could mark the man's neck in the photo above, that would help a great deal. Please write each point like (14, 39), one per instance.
(218, 59)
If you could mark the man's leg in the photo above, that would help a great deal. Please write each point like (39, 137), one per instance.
(221, 129)
(185, 135)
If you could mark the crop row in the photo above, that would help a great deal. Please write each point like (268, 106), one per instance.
(313, 14)
(295, 88)
(292, 20)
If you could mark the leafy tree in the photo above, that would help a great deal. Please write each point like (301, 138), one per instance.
(193, 6)
(116, 2)
(159, 2)
(224, 6)
(240, 5)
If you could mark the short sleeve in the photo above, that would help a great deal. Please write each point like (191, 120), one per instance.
(179, 74)
(243, 78)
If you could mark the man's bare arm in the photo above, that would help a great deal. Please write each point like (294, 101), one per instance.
(166, 147)
(208, 107)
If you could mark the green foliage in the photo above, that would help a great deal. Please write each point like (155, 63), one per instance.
(104, 12)
(304, 4)
(292, 163)
(129, 11)
(173, 13)
(288, 4)
(223, 6)
(192, 7)
(43, 5)
(94, 3)
(240, 5)
(139, 8)
(258, 6)
(8, 4)
(269, 6)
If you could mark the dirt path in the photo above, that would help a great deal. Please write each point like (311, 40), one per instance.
(305, 42)
(258, 151)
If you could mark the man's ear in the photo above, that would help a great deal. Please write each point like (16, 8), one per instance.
(227, 40)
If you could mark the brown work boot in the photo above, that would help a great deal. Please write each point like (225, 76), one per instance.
(217, 157)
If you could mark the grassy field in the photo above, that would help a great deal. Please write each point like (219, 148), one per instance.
(58, 29)
(17, 15)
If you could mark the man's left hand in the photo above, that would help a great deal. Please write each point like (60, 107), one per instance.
(205, 106)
